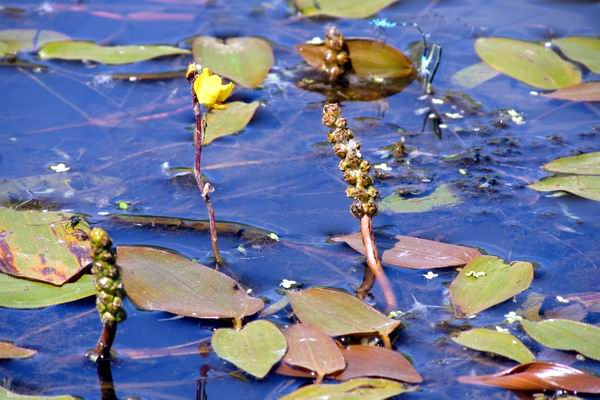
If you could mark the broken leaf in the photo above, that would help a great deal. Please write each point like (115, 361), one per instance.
(474, 75)
(342, 8)
(470, 295)
(10, 351)
(356, 389)
(7, 394)
(230, 120)
(579, 185)
(159, 280)
(442, 196)
(583, 49)
(587, 91)
(582, 164)
(27, 40)
(374, 361)
(492, 341)
(255, 348)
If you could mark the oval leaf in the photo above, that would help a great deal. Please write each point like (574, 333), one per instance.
(474, 75)
(245, 60)
(442, 196)
(342, 8)
(377, 362)
(579, 185)
(538, 376)
(115, 55)
(487, 281)
(531, 63)
(583, 49)
(356, 389)
(255, 348)
(230, 120)
(583, 164)
(7, 394)
(492, 341)
(310, 348)
(26, 40)
(159, 280)
(10, 351)
(58, 253)
(587, 91)
(337, 313)
(564, 334)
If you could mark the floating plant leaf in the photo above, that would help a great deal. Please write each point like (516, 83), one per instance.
(337, 313)
(492, 341)
(22, 293)
(310, 348)
(356, 389)
(255, 348)
(587, 91)
(26, 40)
(230, 120)
(244, 60)
(4, 49)
(410, 252)
(342, 8)
(528, 62)
(442, 196)
(42, 246)
(591, 300)
(580, 185)
(158, 280)
(374, 361)
(10, 351)
(474, 75)
(582, 164)
(564, 334)
(471, 294)
(583, 49)
(115, 55)
(7, 394)
(538, 376)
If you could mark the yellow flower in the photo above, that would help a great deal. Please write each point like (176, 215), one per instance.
(210, 90)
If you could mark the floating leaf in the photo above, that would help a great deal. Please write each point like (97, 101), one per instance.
(441, 196)
(470, 295)
(7, 394)
(580, 185)
(26, 40)
(58, 253)
(591, 300)
(337, 313)
(255, 348)
(531, 63)
(492, 341)
(587, 91)
(245, 60)
(474, 75)
(115, 55)
(410, 252)
(159, 280)
(564, 334)
(377, 362)
(342, 8)
(583, 164)
(22, 293)
(356, 389)
(10, 351)
(538, 376)
(230, 120)
(310, 348)
(583, 49)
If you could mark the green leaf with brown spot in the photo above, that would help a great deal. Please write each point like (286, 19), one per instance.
(583, 49)
(492, 341)
(342, 8)
(230, 120)
(9, 351)
(582, 164)
(355, 389)
(7, 394)
(27, 40)
(587, 186)
(442, 196)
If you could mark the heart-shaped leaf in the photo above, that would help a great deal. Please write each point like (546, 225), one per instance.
(115, 55)
(442, 196)
(159, 280)
(59, 252)
(337, 313)
(492, 341)
(582, 164)
(342, 8)
(487, 281)
(356, 389)
(244, 60)
(564, 334)
(310, 348)
(587, 91)
(474, 75)
(528, 62)
(583, 49)
(228, 121)
(255, 348)
(26, 40)
(538, 376)
(373, 361)
(10, 351)
(7, 394)
(580, 185)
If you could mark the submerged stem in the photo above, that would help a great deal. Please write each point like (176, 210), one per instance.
(387, 343)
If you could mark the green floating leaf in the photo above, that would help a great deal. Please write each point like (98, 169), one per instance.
(342, 8)
(528, 62)
(159, 280)
(13, 41)
(355, 389)
(474, 75)
(230, 120)
(583, 49)
(580, 185)
(255, 348)
(114, 55)
(21, 293)
(7, 394)
(59, 251)
(564, 334)
(470, 294)
(442, 196)
(582, 164)
(10, 351)
(492, 341)
(244, 60)
(337, 313)
(587, 91)
(4, 49)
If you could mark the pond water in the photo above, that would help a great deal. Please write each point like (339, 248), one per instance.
(280, 175)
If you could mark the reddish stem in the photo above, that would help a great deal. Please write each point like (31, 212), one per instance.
(107, 337)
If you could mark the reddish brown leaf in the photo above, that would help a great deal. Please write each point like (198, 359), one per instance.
(587, 91)
(310, 348)
(287, 370)
(538, 376)
(591, 300)
(9, 350)
(373, 361)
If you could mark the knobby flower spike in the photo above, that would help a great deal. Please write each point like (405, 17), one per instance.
(210, 91)
(335, 56)
(361, 190)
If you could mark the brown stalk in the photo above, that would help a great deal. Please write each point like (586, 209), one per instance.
(105, 342)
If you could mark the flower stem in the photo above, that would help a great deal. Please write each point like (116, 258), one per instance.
(105, 342)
